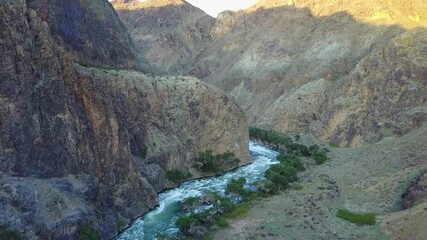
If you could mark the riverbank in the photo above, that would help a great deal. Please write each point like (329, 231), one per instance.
(366, 179)
(162, 219)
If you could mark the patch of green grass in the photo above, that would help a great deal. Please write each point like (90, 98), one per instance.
(239, 210)
(222, 222)
(296, 187)
(358, 218)
(333, 144)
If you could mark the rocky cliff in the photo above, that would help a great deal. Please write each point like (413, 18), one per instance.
(82, 144)
(168, 33)
(351, 72)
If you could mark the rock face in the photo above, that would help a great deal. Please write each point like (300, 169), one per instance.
(416, 193)
(90, 30)
(84, 145)
(331, 67)
(168, 33)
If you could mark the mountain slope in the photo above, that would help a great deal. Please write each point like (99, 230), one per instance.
(168, 34)
(85, 145)
(289, 64)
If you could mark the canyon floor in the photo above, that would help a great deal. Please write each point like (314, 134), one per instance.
(365, 179)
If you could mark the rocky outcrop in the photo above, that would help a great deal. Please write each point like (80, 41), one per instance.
(84, 145)
(168, 33)
(384, 95)
(90, 30)
(416, 193)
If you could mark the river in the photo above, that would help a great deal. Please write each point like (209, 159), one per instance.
(162, 218)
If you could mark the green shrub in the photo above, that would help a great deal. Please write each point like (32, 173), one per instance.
(209, 163)
(278, 179)
(281, 175)
(190, 203)
(177, 176)
(299, 149)
(290, 173)
(278, 141)
(358, 218)
(184, 223)
(235, 186)
(86, 232)
(333, 144)
(225, 205)
(120, 223)
(313, 149)
(250, 195)
(291, 159)
(270, 136)
(320, 157)
(266, 187)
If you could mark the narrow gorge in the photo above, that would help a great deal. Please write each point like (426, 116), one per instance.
(105, 104)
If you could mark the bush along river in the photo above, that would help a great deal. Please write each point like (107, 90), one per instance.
(198, 206)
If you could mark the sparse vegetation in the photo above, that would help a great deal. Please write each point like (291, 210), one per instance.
(280, 142)
(358, 218)
(333, 144)
(296, 187)
(208, 162)
(177, 176)
(86, 232)
(272, 137)
(120, 223)
(278, 177)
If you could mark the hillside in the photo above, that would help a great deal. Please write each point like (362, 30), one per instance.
(325, 67)
(85, 147)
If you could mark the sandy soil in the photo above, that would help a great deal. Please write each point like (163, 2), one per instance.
(366, 179)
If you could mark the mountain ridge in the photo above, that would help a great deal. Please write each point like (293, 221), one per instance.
(263, 54)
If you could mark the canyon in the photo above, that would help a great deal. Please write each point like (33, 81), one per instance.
(349, 73)
(83, 141)
(99, 99)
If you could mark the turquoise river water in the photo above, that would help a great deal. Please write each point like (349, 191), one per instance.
(162, 218)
